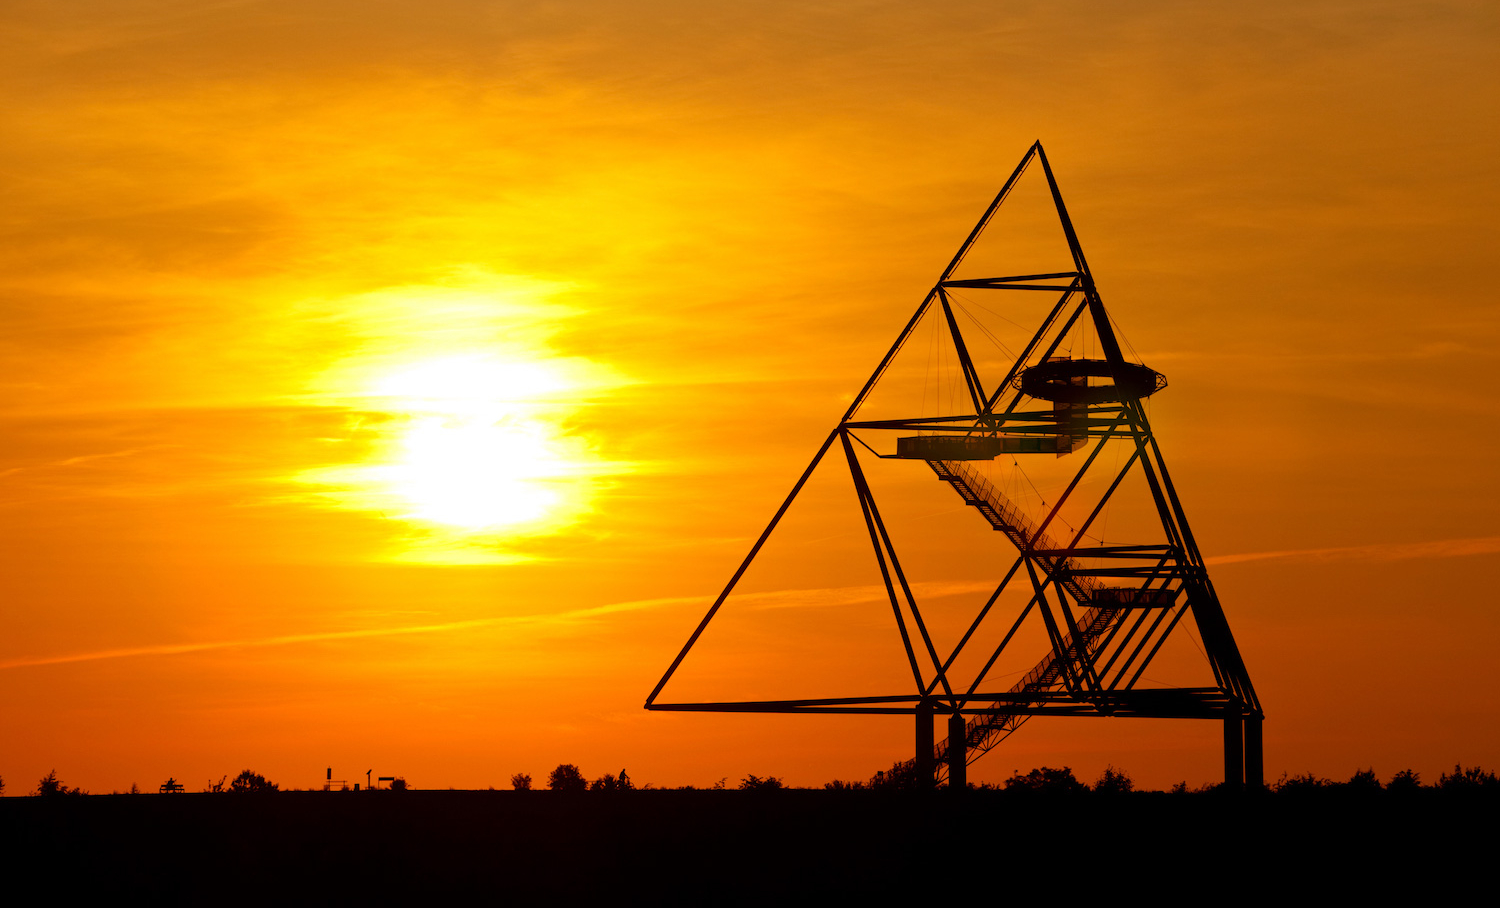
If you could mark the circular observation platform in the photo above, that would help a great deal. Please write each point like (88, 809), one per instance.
(1066, 381)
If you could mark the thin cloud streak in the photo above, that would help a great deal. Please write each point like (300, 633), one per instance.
(1388, 551)
(855, 595)
(776, 599)
(172, 649)
(798, 598)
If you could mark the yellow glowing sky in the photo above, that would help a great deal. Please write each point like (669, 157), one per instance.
(393, 384)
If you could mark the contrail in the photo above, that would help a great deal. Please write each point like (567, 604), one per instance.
(797, 598)
(803, 598)
(172, 649)
(855, 595)
(1385, 551)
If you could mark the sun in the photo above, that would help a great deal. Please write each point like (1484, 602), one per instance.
(474, 475)
(469, 450)
(480, 446)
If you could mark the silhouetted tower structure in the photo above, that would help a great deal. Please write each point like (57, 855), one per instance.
(1107, 608)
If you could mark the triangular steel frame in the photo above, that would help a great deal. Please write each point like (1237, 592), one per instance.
(1102, 637)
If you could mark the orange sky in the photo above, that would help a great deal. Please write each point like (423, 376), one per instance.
(282, 280)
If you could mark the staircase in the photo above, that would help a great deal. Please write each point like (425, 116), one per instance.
(985, 731)
(981, 494)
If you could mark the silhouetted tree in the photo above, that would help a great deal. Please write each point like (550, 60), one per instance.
(1046, 780)
(1179, 789)
(1472, 779)
(752, 782)
(839, 785)
(1297, 785)
(399, 784)
(1363, 780)
(901, 776)
(51, 786)
(1405, 781)
(1114, 781)
(521, 781)
(566, 777)
(248, 782)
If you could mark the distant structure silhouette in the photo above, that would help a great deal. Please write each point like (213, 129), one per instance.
(1106, 609)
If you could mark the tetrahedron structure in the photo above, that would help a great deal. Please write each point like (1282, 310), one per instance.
(1071, 401)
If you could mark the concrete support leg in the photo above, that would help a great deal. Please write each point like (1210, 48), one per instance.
(1255, 760)
(926, 775)
(958, 754)
(1234, 753)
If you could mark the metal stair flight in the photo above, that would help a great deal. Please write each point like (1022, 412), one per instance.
(987, 730)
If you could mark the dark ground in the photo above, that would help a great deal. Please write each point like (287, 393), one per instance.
(733, 847)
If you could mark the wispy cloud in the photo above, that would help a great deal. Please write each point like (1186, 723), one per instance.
(799, 598)
(854, 595)
(173, 649)
(1390, 551)
(82, 458)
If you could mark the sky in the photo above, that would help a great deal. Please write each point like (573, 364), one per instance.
(393, 385)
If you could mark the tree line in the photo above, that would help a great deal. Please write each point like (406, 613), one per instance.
(247, 782)
(567, 777)
(1042, 780)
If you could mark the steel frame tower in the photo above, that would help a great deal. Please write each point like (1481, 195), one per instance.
(1107, 609)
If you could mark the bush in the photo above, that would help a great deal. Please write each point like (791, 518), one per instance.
(608, 782)
(1114, 781)
(566, 777)
(521, 781)
(248, 782)
(399, 784)
(1405, 780)
(1046, 780)
(1468, 780)
(51, 786)
(902, 776)
(1303, 784)
(1363, 780)
(837, 785)
(752, 782)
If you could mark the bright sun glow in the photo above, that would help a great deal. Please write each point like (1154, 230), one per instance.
(461, 417)
(471, 450)
(472, 385)
(478, 451)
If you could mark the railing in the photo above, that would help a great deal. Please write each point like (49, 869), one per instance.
(1009, 519)
(985, 731)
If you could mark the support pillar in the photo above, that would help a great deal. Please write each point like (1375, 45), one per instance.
(1234, 752)
(1255, 761)
(958, 753)
(926, 776)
